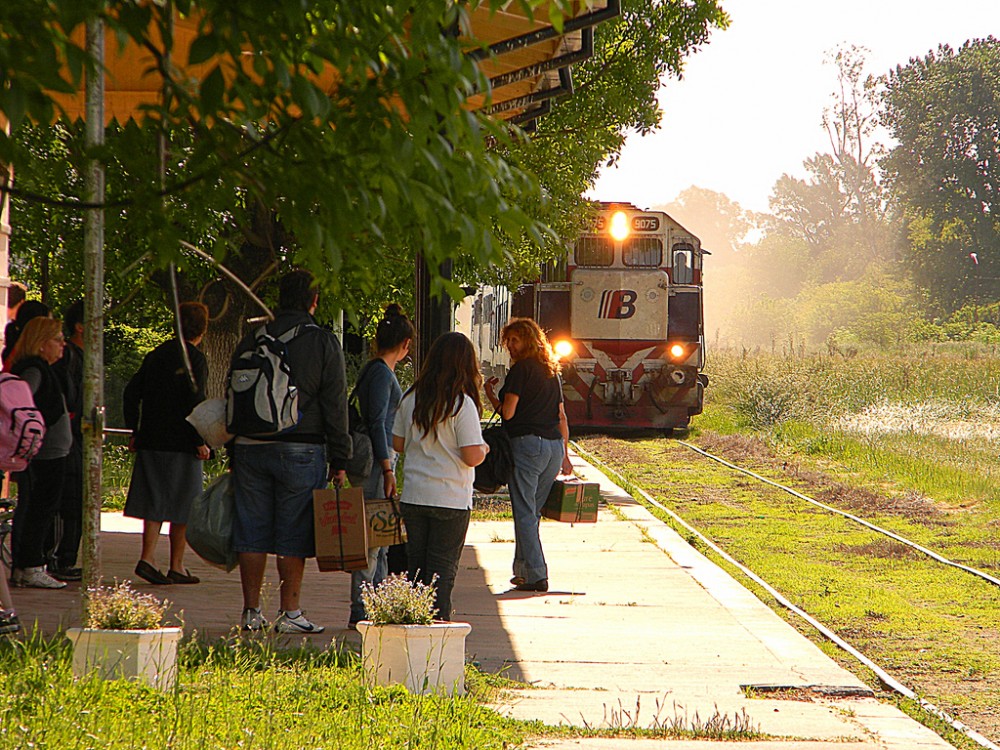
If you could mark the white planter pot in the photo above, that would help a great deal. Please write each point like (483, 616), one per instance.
(422, 658)
(148, 656)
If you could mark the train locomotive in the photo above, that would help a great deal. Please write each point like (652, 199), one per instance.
(624, 313)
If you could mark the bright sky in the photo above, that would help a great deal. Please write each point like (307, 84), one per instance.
(749, 106)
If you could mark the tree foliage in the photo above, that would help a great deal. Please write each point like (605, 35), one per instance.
(841, 211)
(614, 93)
(393, 159)
(722, 224)
(944, 110)
(394, 163)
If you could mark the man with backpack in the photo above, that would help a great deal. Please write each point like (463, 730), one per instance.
(288, 378)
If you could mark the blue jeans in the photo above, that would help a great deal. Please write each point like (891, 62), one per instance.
(537, 462)
(434, 541)
(378, 561)
(274, 485)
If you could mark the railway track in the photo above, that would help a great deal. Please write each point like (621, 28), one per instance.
(887, 679)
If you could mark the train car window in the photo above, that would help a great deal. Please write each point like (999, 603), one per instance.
(594, 251)
(554, 270)
(681, 272)
(642, 251)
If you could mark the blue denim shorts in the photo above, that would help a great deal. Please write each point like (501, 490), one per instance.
(274, 483)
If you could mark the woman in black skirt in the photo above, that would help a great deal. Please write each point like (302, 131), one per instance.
(167, 474)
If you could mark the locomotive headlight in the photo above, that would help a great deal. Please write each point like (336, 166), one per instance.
(619, 225)
(563, 348)
(676, 351)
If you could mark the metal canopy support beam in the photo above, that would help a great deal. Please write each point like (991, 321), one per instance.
(565, 88)
(562, 61)
(528, 119)
(434, 316)
(545, 33)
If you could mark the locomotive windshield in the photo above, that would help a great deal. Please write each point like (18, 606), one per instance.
(594, 251)
(644, 252)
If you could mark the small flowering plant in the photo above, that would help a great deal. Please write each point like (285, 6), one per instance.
(399, 601)
(120, 607)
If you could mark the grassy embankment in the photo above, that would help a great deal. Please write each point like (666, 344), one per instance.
(908, 441)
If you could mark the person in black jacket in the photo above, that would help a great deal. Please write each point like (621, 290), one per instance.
(39, 487)
(274, 475)
(167, 475)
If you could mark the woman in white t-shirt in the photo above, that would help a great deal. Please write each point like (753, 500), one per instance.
(437, 427)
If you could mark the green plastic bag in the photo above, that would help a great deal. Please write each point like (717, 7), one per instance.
(210, 523)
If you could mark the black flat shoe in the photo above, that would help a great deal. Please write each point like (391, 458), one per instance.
(185, 577)
(147, 572)
(542, 585)
(517, 581)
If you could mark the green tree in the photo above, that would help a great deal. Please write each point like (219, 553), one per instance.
(614, 93)
(347, 194)
(397, 159)
(944, 111)
(721, 224)
(841, 210)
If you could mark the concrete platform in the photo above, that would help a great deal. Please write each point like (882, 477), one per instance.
(637, 630)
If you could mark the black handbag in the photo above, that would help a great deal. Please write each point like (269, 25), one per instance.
(498, 466)
(362, 460)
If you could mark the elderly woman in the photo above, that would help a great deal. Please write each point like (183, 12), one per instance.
(167, 475)
(39, 487)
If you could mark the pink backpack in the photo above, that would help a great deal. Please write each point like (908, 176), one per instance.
(22, 427)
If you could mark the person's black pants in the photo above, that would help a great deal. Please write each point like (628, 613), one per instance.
(39, 493)
(63, 542)
(434, 541)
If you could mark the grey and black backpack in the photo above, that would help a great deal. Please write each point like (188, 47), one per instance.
(261, 396)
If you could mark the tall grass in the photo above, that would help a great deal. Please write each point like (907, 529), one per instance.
(926, 420)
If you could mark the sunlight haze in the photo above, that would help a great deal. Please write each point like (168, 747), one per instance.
(750, 104)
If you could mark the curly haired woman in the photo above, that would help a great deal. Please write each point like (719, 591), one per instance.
(531, 404)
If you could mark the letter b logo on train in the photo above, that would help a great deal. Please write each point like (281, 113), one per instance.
(617, 304)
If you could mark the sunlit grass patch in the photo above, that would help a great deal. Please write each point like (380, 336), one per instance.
(944, 419)
(231, 694)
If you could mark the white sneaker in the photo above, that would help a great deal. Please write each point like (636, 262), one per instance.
(252, 620)
(285, 624)
(36, 578)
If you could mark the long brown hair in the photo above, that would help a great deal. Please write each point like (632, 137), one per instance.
(31, 340)
(449, 371)
(536, 344)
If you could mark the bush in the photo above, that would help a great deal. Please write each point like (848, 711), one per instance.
(120, 607)
(399, 601)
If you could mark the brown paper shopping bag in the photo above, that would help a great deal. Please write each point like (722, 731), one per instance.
(341, 529)
(385, 524)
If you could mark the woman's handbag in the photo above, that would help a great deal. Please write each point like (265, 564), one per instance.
(362, 459)
(498, 466)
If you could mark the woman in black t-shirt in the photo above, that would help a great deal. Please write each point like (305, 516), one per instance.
(531, 405)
